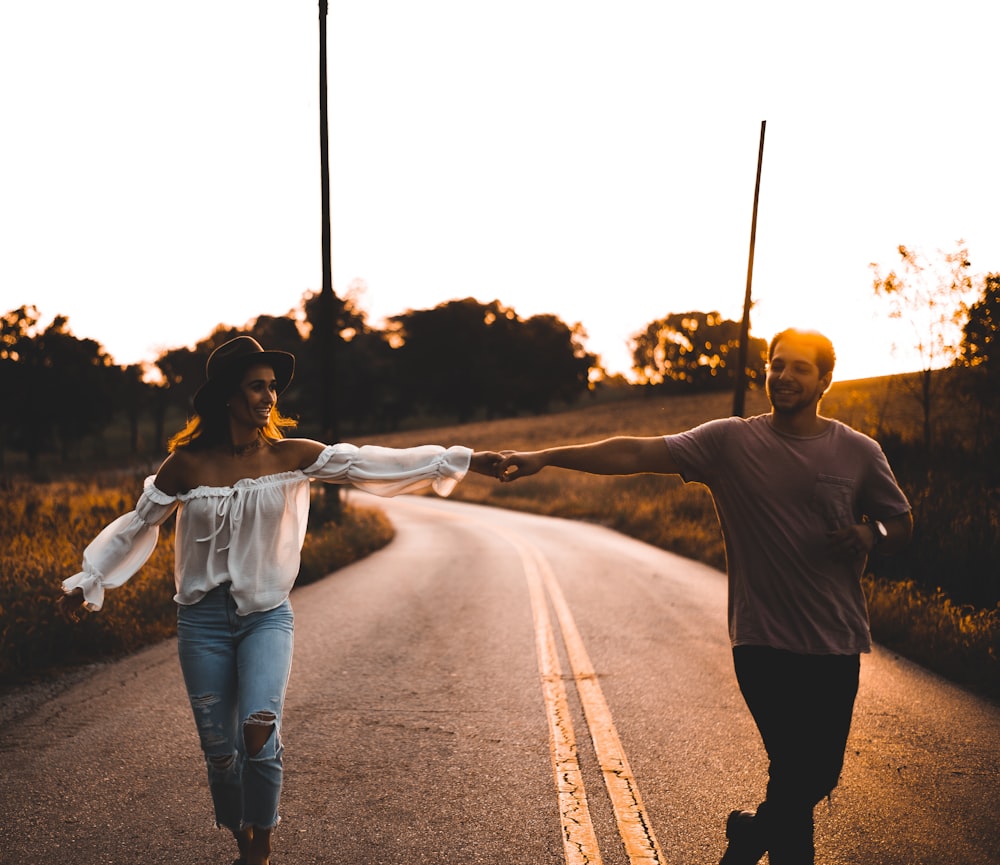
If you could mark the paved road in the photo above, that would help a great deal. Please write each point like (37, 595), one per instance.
(437, 683)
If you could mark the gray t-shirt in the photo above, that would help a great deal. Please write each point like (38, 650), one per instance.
(777, 497)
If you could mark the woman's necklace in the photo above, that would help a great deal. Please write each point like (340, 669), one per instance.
(249, 447)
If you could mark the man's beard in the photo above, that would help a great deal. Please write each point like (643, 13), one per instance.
(799, 401)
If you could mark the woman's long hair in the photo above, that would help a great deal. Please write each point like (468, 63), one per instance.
(211, 428)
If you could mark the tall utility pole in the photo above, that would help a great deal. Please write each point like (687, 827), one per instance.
(739, 394)
(328, 300)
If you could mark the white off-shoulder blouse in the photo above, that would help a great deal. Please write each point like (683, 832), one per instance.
(251, 534)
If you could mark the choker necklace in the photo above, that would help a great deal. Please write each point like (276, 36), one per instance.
(249, 447)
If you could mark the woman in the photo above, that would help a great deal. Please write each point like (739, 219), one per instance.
(241, 491)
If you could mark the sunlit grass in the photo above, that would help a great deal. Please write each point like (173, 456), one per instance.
(43, 533)
(961, 642)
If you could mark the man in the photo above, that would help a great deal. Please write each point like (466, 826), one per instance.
(802, 500)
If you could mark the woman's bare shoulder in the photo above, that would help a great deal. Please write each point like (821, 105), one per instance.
(177, 472)
(299, 453)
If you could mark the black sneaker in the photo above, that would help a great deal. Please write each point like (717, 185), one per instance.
(745, 845)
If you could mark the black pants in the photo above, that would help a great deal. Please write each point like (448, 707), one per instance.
(802, 705)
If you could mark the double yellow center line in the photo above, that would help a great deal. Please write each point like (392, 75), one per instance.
(579, 838)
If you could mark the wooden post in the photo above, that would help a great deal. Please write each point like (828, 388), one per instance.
(327, 297)
(739, 393)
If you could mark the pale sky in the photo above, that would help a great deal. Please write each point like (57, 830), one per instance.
(595, 160)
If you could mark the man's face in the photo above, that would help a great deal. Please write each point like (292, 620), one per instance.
(793, 380)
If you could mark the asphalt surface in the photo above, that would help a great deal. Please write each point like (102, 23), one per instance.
(417, 728)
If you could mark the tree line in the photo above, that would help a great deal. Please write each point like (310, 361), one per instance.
(461, 360)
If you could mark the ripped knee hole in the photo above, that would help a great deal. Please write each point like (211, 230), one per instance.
(257, 729)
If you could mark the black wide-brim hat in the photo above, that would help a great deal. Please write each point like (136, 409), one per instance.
(227, 364)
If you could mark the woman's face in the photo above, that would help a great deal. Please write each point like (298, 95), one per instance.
(257, 394)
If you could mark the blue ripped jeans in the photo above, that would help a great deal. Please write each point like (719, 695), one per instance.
(236, 671)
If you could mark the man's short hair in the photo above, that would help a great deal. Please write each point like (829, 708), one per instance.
(826, 357)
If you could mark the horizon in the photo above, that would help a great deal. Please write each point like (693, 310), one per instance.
(148, 363)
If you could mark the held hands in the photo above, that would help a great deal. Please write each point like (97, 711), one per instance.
(506, 466)
(519, 464)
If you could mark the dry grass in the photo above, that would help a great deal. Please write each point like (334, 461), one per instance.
(957, 641)
(44, 530)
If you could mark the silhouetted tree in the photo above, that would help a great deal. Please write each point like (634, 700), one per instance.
(84, 379)
(981, 335)
(183, 371)
(369, 386)
(544, 363)
(328, 318)
(159, 403)
(980, 355)
(463, 357)
(63, 387)
(931, 297)
(279, 333)
(18, 329)
(442, 354)
(695, 351)
(132, 397)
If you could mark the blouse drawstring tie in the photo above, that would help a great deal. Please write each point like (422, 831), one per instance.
(229, 512)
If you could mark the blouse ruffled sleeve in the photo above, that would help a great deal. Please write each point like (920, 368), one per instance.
(393, 471)
(122, 547)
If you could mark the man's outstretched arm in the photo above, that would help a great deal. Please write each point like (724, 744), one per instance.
(621, 455)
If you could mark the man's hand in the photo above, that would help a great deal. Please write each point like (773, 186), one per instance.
(852, 542)
(70, 605)
(859, 540)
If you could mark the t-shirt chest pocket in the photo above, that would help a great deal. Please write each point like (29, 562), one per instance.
(833, 500)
